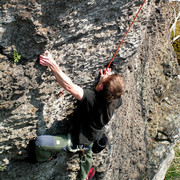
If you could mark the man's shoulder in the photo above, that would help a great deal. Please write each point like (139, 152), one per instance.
(89, 91)
(89, 95)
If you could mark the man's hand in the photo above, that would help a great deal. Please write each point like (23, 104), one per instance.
(47, 59)
(61, 77)
(103, 75)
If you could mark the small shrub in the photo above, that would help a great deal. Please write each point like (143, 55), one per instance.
(16, 57)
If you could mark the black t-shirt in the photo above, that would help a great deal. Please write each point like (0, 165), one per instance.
(93, 113)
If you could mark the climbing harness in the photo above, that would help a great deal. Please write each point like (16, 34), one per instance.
(78, 148)
(124, 38)
(83, 158)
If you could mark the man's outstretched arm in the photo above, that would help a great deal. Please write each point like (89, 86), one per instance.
(61, 77)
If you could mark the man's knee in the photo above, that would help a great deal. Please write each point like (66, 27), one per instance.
(44, 140)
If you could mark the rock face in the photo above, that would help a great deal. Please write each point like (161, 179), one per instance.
(82, 36)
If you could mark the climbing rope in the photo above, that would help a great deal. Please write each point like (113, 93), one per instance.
(123, 38)
(125, 35)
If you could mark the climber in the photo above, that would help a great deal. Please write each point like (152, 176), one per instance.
(95, 109)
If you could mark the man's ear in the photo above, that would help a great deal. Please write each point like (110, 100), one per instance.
(101, 86)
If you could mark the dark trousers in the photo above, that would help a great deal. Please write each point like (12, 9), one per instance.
(46, 145)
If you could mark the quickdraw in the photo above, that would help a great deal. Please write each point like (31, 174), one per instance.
(83, 158)
(78, 148)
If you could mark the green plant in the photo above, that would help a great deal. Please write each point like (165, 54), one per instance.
(173, 172)
(2, 168)
(175, 29)
(16, 57)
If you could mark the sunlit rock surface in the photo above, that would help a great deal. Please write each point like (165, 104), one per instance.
(82, 36)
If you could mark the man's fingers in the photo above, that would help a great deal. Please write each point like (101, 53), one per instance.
(43, 63)
(108, 69)
(43, 57)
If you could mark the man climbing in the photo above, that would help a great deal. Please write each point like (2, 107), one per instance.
(95, 109)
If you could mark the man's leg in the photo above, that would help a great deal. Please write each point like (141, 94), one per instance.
(42, 155)
(85, 165)
(47, 144)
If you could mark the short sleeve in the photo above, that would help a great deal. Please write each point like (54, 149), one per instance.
(88, 96)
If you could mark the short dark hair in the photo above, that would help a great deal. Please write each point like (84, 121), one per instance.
(113, 87)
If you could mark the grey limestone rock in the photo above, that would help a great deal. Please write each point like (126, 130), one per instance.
(82, 36)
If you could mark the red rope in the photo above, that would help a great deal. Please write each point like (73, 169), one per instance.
(125, 35)
(124, 38)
